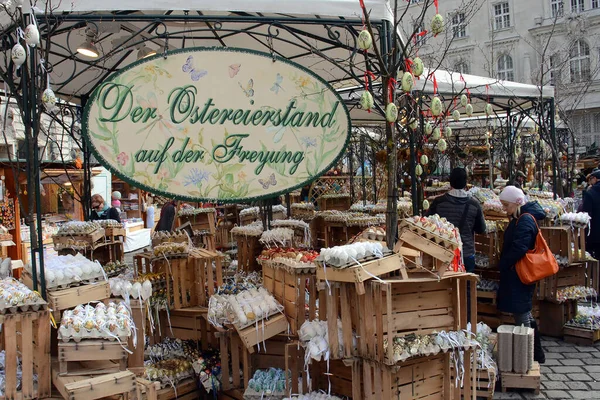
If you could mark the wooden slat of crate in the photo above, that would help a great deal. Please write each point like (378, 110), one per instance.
(559, 239)
(334, 203)
(185, 390)
(339, 376)
(581, 336)
(91, 350)
(232, 348)
(190, 324)
(488, 244)
(90, 239)
(289, 289)
(361, 273)
(114, 233)
(593, 275)
(207, 279)
(266, 329)
(65, 299)
(200, 222)
(86, 388)
(530, 380)
(27, 335)
(438, 252)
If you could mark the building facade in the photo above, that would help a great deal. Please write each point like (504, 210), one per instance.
(550, 42)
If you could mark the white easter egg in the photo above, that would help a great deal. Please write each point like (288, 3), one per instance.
(18, 55)
(49, 98)
(365, 40)
(32, 35)
(464, 100)
(136, 289)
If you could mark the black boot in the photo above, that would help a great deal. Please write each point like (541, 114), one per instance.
(538, 351)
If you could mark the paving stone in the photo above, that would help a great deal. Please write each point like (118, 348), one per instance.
(595, 376)
(591, 361)
(553, 361)
(584, 349)
(594, 385)
(557, 377)
(566, 349)
(549, 343)
(557, 394)
(594, 354)
(567, 370)
(507, 396)
(533, 396)
(579, 377)
(569, 362)
(553, 356)
(580, 394)
(552, 385)
(577, 385)
(592, 368)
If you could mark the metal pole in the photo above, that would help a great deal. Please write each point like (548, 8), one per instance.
(554, 149)
(509, 135)
(363, 179)
(351, 167)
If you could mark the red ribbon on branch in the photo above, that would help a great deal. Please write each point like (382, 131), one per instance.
(408, 63)
(462, 79)
(435, 85)
(391, 88)
(435, 2)
(367, 75)
(487, 92)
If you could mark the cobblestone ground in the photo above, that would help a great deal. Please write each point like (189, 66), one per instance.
(570, 372)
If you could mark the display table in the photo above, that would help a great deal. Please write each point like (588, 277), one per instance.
(137, 237)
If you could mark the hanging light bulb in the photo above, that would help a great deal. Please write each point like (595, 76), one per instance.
(145, 52)
(88, 47)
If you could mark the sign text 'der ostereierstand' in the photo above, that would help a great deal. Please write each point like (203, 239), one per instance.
(216, 124)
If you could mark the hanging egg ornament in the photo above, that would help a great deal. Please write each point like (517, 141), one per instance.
(448, 131)
(32, 35)
(18, 55)
(488, 109)
(366, 100)
(436, 106)
(456, 115)
(437, 24)
(436, 135)
(413, 124)
(391, 113)
(469, 110)
(49, 99)
(442, 145)
(419, 170)
(407, 82)
(418, 67)
(464, 100)
(364, 41)
(428, 128)
(425, 205)
(424, 160)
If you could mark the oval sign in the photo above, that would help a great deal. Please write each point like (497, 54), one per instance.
(216, 124)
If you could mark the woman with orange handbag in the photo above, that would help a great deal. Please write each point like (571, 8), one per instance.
(514, 296)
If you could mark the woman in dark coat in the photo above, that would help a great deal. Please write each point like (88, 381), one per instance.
(519, 237)
(167, 216)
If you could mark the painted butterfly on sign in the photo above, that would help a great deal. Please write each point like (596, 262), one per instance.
(277, 84)
(189, 68)
(234, 69)
(249, 89)
(270, 182)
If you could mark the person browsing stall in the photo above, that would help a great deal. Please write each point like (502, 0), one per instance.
(514, 296)
(591, 205)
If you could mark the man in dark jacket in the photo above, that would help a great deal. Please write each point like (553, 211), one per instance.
(518, 180)
(591, 205)
(465, 213)
(462, 211)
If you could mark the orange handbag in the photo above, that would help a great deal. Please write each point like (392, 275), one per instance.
(538, 263)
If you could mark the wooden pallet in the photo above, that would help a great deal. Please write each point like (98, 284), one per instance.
(91, 350)
(289, 288)
(358, 274)
(122, 383)
(530, 380)
(581, 336)
(185, 390)
(27, 336)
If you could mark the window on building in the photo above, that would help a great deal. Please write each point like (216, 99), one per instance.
(459, 25)
(558, 8)
(577, 5)
(579, 62)
(597, 140)
(597, 122)
(595, 3)
(586, 140)
(586, 123)
(462, 67)
(554, 70)
(501, 16)
(505, 68)
(419, 27)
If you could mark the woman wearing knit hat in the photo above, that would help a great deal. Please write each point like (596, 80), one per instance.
(519, 237)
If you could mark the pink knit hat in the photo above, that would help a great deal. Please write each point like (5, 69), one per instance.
(513, 194)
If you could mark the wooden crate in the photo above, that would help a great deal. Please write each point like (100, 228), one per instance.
(235, 358)
(572, 275)
(66, 241)
(113, 234)
(254, 335)
(249, 249)
(530, 380)
(438, 253)
(185, 390)
(554, 316)
(394, 308)
(485, 383)
(334, 203)
(488, 244)
(592, 276)
(190, 324)
(290, 288)
(122, 383)
(59, 300)
(199, 222)
(581, 336)
(339, 233)
(91, 351)
(27, 336)
(343, 377)
(358, 274)
(560, 240)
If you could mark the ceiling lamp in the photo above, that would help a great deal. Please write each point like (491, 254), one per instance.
(88, 47)
(145, 52)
